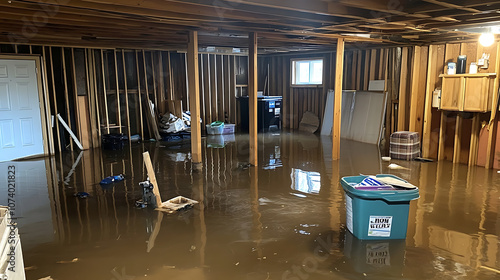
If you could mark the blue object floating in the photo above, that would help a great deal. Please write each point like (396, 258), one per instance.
(112, 179)
(82, 194)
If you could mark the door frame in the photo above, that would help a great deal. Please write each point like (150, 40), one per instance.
(43, 100)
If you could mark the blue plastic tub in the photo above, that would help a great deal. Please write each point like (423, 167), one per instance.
(377, 214)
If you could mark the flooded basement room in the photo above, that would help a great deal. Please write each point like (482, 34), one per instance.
(249, 140)
(284, 219)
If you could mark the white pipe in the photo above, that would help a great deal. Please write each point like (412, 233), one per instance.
(70, 132)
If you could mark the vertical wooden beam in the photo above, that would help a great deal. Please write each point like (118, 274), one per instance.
(82, 119)
(474, 139)
(252, 96)
(493, 123)
(402, 90)
(118, 105)
(434, 66)
(170, 78)
(366, 74)
(458, 140)
(155, 94)
(54, 98)
(442, 136)
(213, 86)
(126, 94)
(66, 94)
(194, 96)
(161, 83)
(105, 91)
(139, 95)
(96, 132)
(339, 71)
(207, 88)
(418, 90)
(47, 102)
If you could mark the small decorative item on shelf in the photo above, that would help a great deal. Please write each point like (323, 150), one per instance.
(452, 68)
(473, 68)
(461, 64)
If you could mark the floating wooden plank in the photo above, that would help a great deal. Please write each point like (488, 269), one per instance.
(152, 177)
(252, 96)
(339, 66)
(194, 96)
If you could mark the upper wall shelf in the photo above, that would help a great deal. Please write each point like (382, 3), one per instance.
(467, 92)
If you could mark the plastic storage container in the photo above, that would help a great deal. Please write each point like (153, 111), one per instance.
(215, 128)
(228, 128)
(377, 214)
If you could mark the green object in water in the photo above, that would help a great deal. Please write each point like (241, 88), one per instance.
(216, 124)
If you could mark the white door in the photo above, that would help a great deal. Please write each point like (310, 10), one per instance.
(20, 120)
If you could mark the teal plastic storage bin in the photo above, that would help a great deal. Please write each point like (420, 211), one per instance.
(377, 214)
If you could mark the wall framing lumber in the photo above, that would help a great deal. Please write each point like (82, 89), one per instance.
(252, 96)
(194, 96)
(339, 69)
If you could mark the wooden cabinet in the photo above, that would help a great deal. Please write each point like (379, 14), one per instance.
(467, 92)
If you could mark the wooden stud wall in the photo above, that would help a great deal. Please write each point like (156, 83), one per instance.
(359, 67)
(452, 135)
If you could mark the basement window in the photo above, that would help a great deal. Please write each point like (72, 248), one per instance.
(307, 72)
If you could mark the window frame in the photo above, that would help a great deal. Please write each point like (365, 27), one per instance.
(293, 70)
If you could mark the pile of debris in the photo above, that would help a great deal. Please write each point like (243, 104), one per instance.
(173, 124)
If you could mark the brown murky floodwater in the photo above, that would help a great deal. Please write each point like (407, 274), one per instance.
(282, 220)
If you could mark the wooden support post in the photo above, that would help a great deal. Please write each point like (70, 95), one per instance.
(418, 90)
(126, 94)
(66, 94)
(170, 78)
(161, 83)
(194, 96)
(402, 91)
(432, 73)
(95, 109)
(474, 139)
(442, 136)
(252, 96)
(152, 177)
(81, 108)
(47, 102)
(118, 105)
(492, 125)
(54, 98)
(339, 71)
(104, 91)
(139, 96)
(153, 73)
(458, 140)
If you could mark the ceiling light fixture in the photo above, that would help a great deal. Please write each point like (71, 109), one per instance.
(486, 39)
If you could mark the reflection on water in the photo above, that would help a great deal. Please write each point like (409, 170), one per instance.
(248, 223)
